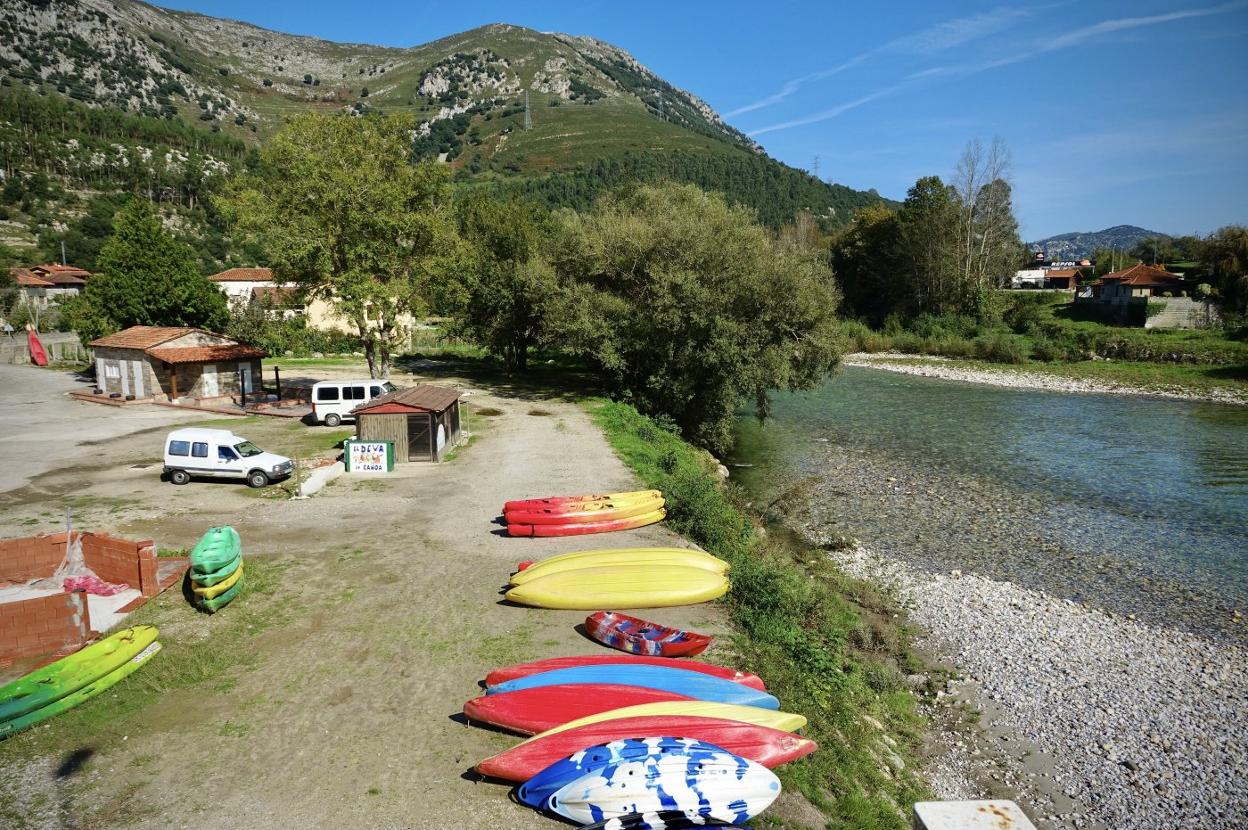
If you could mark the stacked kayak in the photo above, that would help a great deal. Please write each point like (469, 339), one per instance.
(624, 578)
(217, 568)
(577, 515)
(60, 686)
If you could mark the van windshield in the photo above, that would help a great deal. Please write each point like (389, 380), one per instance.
(247, 449)
(390, 387)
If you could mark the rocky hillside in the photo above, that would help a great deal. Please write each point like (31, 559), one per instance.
(1081, 244)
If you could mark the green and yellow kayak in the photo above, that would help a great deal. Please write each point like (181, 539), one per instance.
(218, 547)
(218, 602)
(69, 674)
(221, 587)
(69, 701)
(224, 572)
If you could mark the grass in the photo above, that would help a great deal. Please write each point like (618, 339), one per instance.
(827, 645)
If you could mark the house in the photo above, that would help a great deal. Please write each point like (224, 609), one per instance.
(1063, 278)
(1139, 280)
(44, 285)
(174, 363)
(34, 290)
(423, 421)
(278, 302)
(243, 286)
(1028, 278)
(238, 283)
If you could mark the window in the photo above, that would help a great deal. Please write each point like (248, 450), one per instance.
(353, 393)
(375, 391)
(112, 370)
(179, 447)
(248, 449)
(327, 393)
(390, 387)
(199, 449)
(226, 454)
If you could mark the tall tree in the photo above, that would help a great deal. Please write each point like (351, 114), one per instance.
(987, 237)
(144, 277)
(927, 262)
(345, 213)
(864, 259)
(1228, 262)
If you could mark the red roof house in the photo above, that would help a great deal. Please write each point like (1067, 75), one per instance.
(174, 362)
(1140, 280)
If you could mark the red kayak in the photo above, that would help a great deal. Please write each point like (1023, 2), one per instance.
(596, 513)
(530, 711)
(37, 353)
(570, 501)
(762, 744)
(580, 528)
(506, 673)
(638, 636)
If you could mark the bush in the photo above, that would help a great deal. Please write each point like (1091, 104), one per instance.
(1001, 348)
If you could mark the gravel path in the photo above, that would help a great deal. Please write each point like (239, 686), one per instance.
(938, 367)
(1147, 727)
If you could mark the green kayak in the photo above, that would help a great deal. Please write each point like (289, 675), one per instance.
(87, 692)
(217, 549)
(69, 674)
(220, 575)
(218, 602)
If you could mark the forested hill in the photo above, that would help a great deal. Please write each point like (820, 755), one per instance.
(1083, 243)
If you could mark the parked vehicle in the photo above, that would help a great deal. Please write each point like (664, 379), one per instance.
(333, 400)
(219, 453)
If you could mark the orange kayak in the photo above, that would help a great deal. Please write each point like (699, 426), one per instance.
(556, 501)
(594, 512)
(580, 528)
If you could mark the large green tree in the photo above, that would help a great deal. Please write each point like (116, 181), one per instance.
(865, 263)
(926, 254)
(1227, 253)
(144, 277)
(343, 212)
(691, 307)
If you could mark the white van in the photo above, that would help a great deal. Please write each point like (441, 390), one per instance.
(333, 400)
(219, 453)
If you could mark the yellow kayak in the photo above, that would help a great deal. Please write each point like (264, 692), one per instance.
(222, 586)
(619, 556)
(784, 721)
(622, 586)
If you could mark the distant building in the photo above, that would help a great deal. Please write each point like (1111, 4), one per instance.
(1063, 278)
(174, 363)
(1028, 278)
(243, 286)
(1139, 280)
(44, 285)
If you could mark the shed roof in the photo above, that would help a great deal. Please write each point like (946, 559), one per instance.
(423, 398)
(1143, 275)
(61, 274)
(244, 275)
(205, 354)
(25, 278)
(1063, 272)
(142, 337)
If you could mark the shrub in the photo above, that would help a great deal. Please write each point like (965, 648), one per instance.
(1001, 348)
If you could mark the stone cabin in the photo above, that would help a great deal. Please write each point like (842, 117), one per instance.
(173, 363)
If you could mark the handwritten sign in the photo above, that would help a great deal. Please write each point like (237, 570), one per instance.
(368, 457)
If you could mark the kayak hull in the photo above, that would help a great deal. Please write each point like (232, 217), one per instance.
(637, 636)
(597, 512)
(221, 587)
(215, 550)
(771, 718)
(583, 528)
(502, 675)
(623, 556)
(689, 684)
(530, 711)
(553, 501)
(622, 586)
(218, 602)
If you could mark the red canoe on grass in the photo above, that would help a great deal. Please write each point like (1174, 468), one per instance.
(767, 746)
(606, 512)
(555, 501)
(530, 711)
(580, 528)
(37, 353)
(506, 673)
(637, 636)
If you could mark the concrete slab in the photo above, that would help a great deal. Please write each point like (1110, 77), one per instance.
(970, 815)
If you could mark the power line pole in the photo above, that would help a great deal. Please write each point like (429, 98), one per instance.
(528, 116)
(815, 167)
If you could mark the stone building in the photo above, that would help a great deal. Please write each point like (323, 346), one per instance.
(174, 363)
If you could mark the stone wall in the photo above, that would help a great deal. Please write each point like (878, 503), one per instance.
(61, 346)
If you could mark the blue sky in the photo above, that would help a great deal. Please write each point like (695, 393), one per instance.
(1115, 112)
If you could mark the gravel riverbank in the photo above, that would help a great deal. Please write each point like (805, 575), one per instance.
(1145, 727)
(940, 367)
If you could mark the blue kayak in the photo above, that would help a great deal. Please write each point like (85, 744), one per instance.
(690, 684)
(537, 790)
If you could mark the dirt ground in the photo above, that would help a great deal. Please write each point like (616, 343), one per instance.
(389, 612)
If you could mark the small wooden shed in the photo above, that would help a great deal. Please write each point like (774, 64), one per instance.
(422, 421)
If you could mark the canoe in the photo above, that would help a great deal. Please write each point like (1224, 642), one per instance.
(215, 549)
(69, 674)
(761, 744)
(637, 636)
(218, 602)
(506, 673)
(582, 528)
(38, 355)
(222, 586)
(582, 507)
(710, 782)
(551, 501)
(537, 790)
(771, 718)
(213, 577)
(619, 556)
(662, 820)
(598, 512)
(687, 683)
(69, 701)
(621, 586)
(530, 711)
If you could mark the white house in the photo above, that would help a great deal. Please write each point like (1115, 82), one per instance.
(1029, 278)
(238, 283)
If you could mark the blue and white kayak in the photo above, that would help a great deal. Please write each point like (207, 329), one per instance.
(690, 684)
(699, 783)
(662, 820)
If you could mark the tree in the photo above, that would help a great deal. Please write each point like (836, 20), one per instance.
(144, 277)
(864, 261)
(1228, 262)
(345, 214)
(503, 300)
(691, 307)
(987, 239)
(927, 264)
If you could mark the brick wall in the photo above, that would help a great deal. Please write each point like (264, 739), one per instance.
(32, 557)
(43, 625)
(121, 560)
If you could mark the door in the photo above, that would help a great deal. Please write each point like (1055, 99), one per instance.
(228, 463)
(210, 380)
(418, 438)
(244, 371)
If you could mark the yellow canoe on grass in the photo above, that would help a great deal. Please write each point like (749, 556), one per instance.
(622, 586)
(619, 556)
(221, 587)
(784, 721)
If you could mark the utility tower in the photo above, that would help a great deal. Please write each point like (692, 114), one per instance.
(528, 116)
(662, 117)
(815, 167)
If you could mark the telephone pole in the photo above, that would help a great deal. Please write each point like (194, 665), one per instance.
(528, 116)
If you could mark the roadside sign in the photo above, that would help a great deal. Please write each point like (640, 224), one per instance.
(369, 456)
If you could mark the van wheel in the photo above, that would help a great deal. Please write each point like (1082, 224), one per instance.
(257, 479)
(333, 419)
(180, 477)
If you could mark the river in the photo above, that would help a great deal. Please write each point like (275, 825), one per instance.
(1135, 504)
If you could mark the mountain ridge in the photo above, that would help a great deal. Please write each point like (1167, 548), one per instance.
(1080, 244)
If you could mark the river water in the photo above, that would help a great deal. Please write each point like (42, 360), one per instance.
(1132, 503)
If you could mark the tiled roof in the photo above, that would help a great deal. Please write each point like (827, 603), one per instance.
(61, 274)
(1143, 275)
(424, 396)
(244, 275)
(1063, 272)
(276, 295)
(205, 354)
(142, 337)
(29, 280)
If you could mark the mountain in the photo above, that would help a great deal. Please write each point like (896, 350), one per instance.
(1081, 244)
